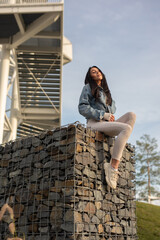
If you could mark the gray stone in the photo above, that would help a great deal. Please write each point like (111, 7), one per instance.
(42, 237)
(116, 200)
(124, 213)
(98, 195)
(130, 167)
(84, 158)
(36, 175)
(23, 195)
(100, 214)
(36, 142)
(68, 227)
(53, 196)
(1, 148)
(49, 164)
(24, 152)
(22, 221)
(26, 162)
(124, 223)
(38, 165)
(43, 229)
(89, 173)
(16, 154)
(108, 206)
(95, 220)
(125, 175)
(122, 182)
(6, 156)
(16, 159)
(108, 196)
(79, 227)
(77, 171)
(40, 156)
(3, 172)
(3, 182)
(130, 231)
(56, 216)
(93, 228)
(81, 206)
(43, 211)
(15, 173)
(68, 191)
(69, 216)
(7, 147)
(17, 145)
(26, 143)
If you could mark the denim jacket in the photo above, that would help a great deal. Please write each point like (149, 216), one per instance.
(91, 108)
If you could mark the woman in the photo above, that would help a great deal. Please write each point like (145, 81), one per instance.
(97, 105)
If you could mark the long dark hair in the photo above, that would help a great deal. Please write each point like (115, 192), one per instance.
(95, 88)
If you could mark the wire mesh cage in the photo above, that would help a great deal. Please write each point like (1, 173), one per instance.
(53, 187)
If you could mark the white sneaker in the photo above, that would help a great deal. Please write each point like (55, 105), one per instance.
(111, 175)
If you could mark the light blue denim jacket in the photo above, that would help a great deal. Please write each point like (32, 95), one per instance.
(91, 108)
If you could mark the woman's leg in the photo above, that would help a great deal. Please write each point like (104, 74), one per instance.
(112, 129)
(128, 118)
(121, 128)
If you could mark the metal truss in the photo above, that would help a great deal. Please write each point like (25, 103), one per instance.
(31, 71)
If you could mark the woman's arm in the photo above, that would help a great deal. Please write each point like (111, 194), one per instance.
(5, 208)
(85, 108)
(112, 108)
(12, 228)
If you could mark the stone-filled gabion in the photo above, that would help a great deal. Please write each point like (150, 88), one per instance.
(56, 186)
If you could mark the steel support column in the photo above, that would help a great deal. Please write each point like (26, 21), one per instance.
(4, 73)
(14, 110)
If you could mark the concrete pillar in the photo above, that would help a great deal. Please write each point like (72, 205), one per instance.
(4, 72)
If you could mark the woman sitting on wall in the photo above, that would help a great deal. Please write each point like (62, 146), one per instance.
(97, 106)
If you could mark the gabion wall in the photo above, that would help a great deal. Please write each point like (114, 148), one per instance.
(55, 184)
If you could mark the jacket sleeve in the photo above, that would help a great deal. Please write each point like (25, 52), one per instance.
(112, 108)
(85, 108)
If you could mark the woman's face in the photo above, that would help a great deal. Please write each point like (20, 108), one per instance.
(96, 74)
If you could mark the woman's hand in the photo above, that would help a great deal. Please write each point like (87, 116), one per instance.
(112, 118)
(109, 117)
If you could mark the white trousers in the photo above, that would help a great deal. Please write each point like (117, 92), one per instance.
(121, 128)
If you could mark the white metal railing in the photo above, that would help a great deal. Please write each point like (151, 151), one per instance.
(9, 2)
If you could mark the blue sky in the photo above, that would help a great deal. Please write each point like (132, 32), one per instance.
(121, 37)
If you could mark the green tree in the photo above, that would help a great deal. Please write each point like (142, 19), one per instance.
(147, 168)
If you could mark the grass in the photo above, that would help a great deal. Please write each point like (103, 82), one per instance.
(148, 221)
